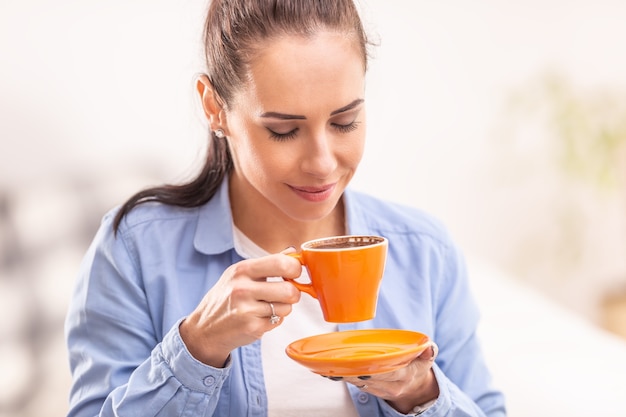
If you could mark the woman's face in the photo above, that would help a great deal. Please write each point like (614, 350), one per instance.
(297, 128)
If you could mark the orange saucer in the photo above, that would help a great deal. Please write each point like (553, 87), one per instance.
(358, 352)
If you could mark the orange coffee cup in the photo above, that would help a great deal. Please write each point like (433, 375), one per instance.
(345, 273)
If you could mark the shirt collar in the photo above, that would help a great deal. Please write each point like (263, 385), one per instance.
(355, 220)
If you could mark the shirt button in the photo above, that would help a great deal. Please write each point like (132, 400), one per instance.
(363, 398)
(209, 381)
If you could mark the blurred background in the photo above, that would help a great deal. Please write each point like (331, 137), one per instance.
(507, 120)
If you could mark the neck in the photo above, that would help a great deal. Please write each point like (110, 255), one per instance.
(274, 231)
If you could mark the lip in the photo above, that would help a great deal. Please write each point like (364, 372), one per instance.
(312, 193)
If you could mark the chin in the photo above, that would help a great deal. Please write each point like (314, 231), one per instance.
(312, 214)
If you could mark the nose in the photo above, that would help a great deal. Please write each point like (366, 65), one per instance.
(319, 158)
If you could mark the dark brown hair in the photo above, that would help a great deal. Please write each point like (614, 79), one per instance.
(234, 32)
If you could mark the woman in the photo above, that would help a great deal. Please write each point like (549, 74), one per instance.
(171, 314)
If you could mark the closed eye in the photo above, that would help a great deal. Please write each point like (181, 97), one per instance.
(346, 128)
(342, 128)
(283, 136)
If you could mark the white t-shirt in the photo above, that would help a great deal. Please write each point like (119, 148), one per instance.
(293, 390)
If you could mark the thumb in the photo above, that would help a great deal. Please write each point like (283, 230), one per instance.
(434, 351)
(288, 250)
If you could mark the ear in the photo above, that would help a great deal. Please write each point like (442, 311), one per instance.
(211, 103)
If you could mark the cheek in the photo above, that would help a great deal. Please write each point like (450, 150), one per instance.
(268, 164)
(355, 154)
(257, 163)
(352, 153)
(241, 143)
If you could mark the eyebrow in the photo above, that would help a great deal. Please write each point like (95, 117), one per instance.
(285, 116)
(348, 107)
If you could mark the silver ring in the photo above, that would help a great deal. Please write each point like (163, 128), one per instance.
(274, 319)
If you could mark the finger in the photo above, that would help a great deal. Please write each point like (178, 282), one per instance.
(248, 279)
(269, 308)
(430, 354)
(276, 265)
(357, 381)
(281, 293)
(274, 318)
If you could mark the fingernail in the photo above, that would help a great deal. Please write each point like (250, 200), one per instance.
(364, 377)
(289, 249)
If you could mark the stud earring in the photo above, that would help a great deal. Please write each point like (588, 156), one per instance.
(219, 133)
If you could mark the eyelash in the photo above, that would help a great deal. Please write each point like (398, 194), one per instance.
(346, 128)
(281, 137)
(292, 134)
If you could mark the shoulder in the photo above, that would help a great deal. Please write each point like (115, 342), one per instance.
(154, 217)
(394, 218)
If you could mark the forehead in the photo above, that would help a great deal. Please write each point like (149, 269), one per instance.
(297, 71)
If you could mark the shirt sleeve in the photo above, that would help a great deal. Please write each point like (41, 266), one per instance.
(119, 367)
(465, 383)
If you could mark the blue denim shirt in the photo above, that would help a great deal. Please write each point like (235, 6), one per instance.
(126, 354)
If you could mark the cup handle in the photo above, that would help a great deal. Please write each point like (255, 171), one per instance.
(307, 288)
